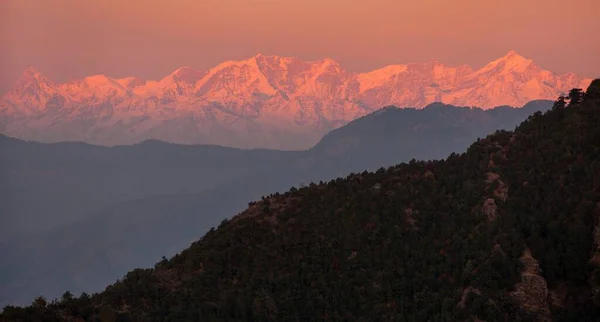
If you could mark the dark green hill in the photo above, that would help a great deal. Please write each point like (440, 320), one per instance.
(507, 231)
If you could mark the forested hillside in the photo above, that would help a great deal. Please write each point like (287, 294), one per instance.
(507, 231)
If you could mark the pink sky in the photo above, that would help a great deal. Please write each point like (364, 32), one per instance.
(67, 39)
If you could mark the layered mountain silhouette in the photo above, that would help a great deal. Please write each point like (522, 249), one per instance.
(77, 216)
(507, 231)
(261, 102)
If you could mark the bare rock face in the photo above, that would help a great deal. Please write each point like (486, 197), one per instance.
(500, 193)
(532, 291)
(497, 189)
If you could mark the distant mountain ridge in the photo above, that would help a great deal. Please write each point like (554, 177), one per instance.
(261, 102)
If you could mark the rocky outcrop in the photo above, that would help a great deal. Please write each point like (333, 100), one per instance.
(501, 190)
(490, 208)
(497, 189)
(532, 292)
(500, 193)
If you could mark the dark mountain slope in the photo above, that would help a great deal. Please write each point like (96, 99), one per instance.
(433, 132)
(503, 232)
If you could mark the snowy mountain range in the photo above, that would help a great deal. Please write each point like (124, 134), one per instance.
(261, 102)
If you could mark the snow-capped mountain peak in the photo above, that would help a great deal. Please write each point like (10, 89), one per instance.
(30, 72)
(511, 62)
(30, 79)
(30, 93)
(263, 101)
